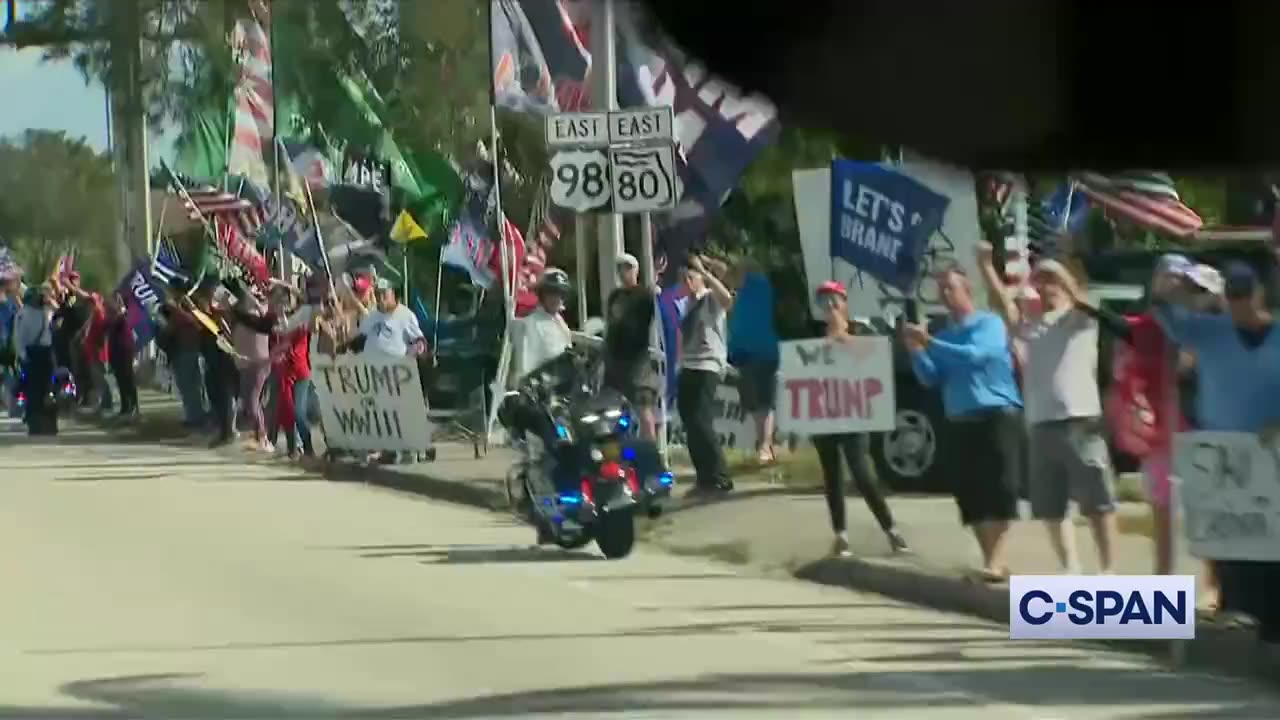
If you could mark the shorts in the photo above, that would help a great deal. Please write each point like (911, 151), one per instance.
(1157, 477)
(1070, 459)
(988, 490)
(757, 386)
(639, 383)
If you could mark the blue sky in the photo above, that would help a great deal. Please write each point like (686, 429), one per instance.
(50, 95)
(54, 96)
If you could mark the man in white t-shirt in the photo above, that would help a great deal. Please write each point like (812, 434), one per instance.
(392, 329)
(1058, 350)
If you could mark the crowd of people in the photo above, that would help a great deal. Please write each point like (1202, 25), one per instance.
(240, 356)
(1019, 383)
(60, 334)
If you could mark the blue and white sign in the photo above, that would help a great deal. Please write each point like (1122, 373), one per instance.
(881, 221)
(1102, 607)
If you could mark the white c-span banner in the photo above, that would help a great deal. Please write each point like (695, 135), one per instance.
(371, 402)
(1102, 607)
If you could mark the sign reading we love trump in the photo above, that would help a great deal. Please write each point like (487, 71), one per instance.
(828, 387)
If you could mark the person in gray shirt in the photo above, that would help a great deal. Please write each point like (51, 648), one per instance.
(1058, 350)
(703, 361)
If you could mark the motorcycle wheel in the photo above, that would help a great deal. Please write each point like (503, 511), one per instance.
(616, 535)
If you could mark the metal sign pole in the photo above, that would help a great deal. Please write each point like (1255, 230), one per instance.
(604, 95)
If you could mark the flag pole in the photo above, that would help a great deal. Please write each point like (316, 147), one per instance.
(315, 223)
(508, 295)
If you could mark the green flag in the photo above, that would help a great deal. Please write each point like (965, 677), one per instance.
(202, 147)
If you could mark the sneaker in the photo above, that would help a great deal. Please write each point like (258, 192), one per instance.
(840, 548)
(898, 543)
(266, 447)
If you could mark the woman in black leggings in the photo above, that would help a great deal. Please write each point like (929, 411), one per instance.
(856, 447)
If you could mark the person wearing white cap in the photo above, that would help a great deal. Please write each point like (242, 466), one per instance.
(1143, 400)
(1069, 455)
(628, 365)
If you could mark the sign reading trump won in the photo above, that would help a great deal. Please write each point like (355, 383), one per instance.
(827, 387)
(370, 402)
(881, 221)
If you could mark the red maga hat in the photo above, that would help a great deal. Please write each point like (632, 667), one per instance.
(831, 287)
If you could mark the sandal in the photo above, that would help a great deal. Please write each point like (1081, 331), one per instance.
(990, 576)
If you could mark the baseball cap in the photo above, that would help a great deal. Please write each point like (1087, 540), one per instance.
(1175, 264)
(1239, 280)
(1207, 278)
(628, 260)
(832, 287)
(384, 284)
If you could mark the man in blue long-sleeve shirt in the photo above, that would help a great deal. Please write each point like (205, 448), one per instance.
(971, 361)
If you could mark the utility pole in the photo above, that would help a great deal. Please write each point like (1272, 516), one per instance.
(129, 135)
(604, 94)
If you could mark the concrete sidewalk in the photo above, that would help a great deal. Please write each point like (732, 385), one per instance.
(779, 529)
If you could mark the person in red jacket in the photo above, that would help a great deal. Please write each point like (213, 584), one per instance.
(1147, 412)
(290, 366)
(121, 351)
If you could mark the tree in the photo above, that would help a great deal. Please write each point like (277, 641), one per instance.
(57, 194)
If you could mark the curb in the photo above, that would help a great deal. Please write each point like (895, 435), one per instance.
(1216, 649)
(460, 492)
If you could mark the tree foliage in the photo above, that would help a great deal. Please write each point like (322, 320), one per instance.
(56, 194)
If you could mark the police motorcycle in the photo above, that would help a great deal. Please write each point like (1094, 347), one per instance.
(584, 472)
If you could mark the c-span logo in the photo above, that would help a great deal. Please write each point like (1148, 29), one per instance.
(1102, 607)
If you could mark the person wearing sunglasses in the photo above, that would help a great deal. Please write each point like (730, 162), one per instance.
(856, 447)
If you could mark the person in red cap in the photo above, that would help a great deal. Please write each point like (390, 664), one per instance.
(855, 447)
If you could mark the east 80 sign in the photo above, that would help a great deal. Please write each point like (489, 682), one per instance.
(618, 162)
(625, 180)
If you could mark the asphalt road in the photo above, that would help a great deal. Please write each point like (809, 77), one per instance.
(156, 581)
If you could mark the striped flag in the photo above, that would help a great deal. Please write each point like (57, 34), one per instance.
(213, 204)
(1147, 199)
(254, 131)
(166, 266)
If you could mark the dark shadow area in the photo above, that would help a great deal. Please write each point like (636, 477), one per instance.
(673, 576)
(470, 554)
(164, 696)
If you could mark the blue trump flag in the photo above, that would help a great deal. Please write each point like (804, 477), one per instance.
(143, 296)
(881, 221)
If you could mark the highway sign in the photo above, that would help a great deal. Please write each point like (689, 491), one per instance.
(644, 178)
(577, 129)
(640, 126)
(580, 179)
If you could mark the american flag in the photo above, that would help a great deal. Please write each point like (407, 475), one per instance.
(1147, 199)
(211, 203)
(254, 130)
(167, 265)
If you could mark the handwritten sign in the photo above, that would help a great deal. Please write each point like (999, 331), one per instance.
(371, 403)
(881, 220)
(829, 387)
(1230, 489)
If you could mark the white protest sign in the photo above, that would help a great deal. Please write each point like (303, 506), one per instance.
(1230, 489)
(827, 387)
(735, 429)
(371, 402)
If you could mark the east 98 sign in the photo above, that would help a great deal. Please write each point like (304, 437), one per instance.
(628, 180)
